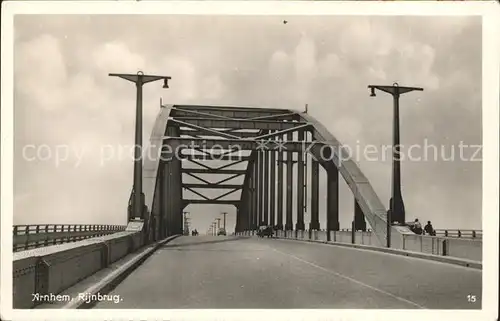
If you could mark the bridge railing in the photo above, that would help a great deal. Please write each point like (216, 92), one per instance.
(26, 237)
(463, 248)
(466, 234)
(460, 233)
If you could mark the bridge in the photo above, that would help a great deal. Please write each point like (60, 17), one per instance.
(149, 263)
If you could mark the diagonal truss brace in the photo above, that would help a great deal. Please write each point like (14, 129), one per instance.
(216, 183)
(212, 199)
(215, 168)
(204, 129)
(281, 132)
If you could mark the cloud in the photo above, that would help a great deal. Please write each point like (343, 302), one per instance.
(212, 88)
(42, 59)
(117, 56)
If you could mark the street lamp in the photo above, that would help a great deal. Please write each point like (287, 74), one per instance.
(186, 223)
(396, 210)
(224, 214)
(139, 79)
(218, 224)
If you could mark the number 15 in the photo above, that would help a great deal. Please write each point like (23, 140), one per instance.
(471, 298)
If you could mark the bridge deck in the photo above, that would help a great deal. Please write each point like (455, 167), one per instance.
(194, 272)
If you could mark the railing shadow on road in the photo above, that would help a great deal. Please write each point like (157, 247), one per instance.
(201, 242)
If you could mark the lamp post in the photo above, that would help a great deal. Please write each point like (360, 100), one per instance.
(396, 210)
(224, 221)
(186, 223)
(218, 224)
(139, 79)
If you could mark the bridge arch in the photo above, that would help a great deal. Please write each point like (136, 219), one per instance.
(180, 128)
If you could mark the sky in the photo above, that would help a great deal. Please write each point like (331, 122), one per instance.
(68, 108)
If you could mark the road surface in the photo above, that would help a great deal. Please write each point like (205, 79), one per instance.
(198, 273)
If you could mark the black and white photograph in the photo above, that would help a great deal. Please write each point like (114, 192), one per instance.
(299, 158)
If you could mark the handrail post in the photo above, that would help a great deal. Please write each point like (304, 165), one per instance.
(445, 252)
(27, 232)
(54, 229)
(37, 231)
(15, 232)
(353, 231)
(46, 231)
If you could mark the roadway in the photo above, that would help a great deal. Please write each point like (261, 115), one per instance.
(197, 273)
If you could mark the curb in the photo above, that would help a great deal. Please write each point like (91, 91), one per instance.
(109, 282)
(431, 257)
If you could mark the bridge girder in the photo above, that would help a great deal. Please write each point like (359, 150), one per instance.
(210, 158)
(197, 133)
(234, 113)
(213, 171)
(213, 186)
(238, 123)
(163, 176)
(211, 202)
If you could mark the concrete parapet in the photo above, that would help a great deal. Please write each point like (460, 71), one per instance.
(342, 236)
(460, 248)
(48, 271)
(420, 255)
(24, 273)
(470, 249)
(465, 252)
(63, 269)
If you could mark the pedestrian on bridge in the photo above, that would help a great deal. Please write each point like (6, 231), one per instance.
(429, 229)
(417, 227)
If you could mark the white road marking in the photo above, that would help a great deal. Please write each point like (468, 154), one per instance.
(350, 279)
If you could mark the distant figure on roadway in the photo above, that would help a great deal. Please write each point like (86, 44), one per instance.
(429, 229)
(265, 230)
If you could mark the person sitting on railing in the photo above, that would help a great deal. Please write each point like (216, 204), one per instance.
(417, 227)
(429, 229)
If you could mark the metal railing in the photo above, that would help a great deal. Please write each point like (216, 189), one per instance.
(32, 236)
(460, 233)
(466, 234)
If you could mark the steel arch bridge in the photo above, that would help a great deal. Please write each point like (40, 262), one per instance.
(189, 134)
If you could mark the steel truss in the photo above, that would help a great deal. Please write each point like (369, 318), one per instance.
(269, 142)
